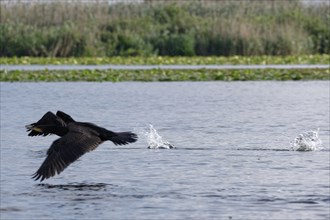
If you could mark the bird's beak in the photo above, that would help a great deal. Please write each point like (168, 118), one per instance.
(29, 127)
(33, 128)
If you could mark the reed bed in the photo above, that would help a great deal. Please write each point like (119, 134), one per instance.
(166, 28)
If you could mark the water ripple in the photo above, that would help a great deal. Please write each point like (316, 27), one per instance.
(77, 186)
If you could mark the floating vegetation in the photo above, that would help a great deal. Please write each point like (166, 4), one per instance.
(165, 60)
(165, 75)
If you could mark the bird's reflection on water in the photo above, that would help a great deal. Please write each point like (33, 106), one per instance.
(77, 186)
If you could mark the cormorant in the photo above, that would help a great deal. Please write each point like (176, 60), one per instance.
(76, 139)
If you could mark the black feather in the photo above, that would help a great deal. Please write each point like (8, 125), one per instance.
(76, 139)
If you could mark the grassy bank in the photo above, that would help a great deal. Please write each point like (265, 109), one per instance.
(157, 60)
(164, 75)
(166, 28)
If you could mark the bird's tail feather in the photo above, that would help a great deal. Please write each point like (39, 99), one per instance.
(122, 138)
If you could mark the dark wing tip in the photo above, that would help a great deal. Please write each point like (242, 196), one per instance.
(134, 137)
(36, 176)
(42, 175)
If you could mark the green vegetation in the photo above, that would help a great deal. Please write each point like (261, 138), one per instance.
(157, 60)
(167, 75)
(164, 75)
(164, 28)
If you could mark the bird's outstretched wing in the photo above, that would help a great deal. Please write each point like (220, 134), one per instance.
(46, 125)
(65, 117)
(65, 151)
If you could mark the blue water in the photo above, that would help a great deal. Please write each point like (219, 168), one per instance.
(233, 157)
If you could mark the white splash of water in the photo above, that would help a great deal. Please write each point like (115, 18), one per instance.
(155, 141)
(307, 141)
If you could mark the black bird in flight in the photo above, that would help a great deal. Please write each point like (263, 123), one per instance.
(76, 139)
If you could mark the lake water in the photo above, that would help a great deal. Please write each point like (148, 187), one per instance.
(232, 158)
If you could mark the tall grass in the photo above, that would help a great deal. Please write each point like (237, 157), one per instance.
(186, 28)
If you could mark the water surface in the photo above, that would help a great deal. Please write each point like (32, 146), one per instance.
(232, 157)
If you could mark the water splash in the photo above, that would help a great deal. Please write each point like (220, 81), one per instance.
(307, 141)
(155, 141)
